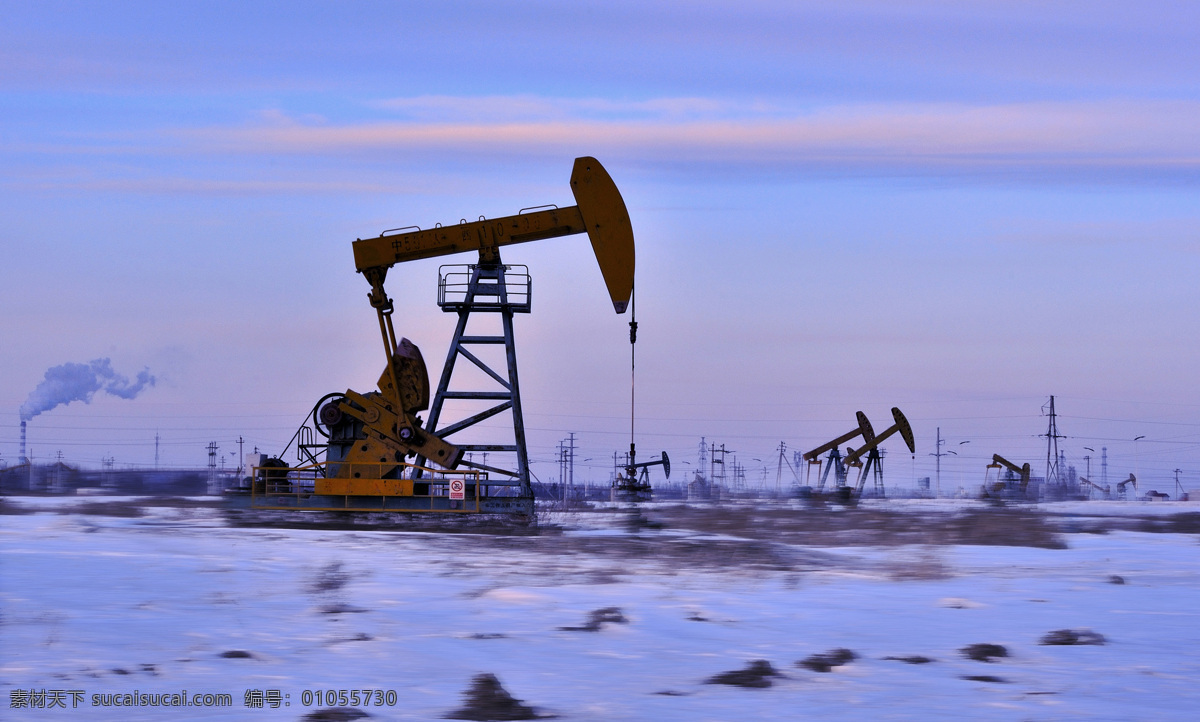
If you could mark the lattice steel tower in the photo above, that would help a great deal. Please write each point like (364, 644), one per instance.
(1052, 437)
(494, 288)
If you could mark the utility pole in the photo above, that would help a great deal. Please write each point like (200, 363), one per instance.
(779, 468)
(939, 454)
(722, 451)
(1178, 486)
(1104, 466)
(712, 467)
(562, 471)
(241, 456)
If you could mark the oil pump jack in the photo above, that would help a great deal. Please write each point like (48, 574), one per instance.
(871, 448)
(632, 482)
(1088, 484)
(362, 463)
(835, 462)
(1001, 488)
(1122, 484)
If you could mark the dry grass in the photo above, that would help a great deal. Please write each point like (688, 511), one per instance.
(866, 527)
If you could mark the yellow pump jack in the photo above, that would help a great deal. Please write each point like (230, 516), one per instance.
(1000, 488)
(371, 435)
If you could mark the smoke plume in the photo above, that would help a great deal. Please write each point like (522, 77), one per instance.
(79, 382)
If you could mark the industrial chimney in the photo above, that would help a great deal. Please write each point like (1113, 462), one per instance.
(24, 459)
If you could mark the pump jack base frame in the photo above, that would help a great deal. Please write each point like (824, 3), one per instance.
(317, 488)
(632, 488)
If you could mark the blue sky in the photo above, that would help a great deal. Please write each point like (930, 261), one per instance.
(954, 208)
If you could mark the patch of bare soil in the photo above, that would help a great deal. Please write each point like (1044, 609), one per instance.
(984, 678)
(486, 699)
(1183, 523)
(984, 652)
(125, 509)
(1072, 637)
(598, 618)
(7, 507)
(827, 661)
(668, 551)
(755, 675)
(866, 527)
(914, 659)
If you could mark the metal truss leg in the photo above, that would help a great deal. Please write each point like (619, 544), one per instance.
(487, 281)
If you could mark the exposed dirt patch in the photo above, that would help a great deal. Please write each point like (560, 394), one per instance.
(984, 678)
(7, 507)
(984, 652)
(915, 659)
(329, 578)
(756, 675)
(341, 608)
(126, 509)
(827, 661)
(670, 551)
(486, 699)
(866, 527)
(1183, 523)
(1072, 637)
(598, 618)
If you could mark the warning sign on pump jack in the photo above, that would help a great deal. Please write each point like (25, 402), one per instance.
(456, 489)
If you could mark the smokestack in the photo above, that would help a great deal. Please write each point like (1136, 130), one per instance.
(24, 460)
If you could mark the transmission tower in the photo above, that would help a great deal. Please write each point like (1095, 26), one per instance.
(213, 486)
(571, 462)
(1052, 437)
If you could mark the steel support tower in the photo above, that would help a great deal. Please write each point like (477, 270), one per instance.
(1052, 437)
(491, 288)
(874, 466)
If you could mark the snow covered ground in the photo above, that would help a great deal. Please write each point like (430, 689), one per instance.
(174, 600)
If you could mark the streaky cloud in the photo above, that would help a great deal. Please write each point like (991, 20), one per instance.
(1087, 136)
